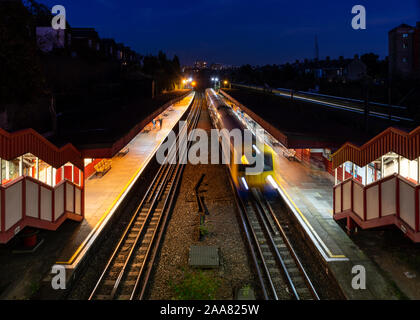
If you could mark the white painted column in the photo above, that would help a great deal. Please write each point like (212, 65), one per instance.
(1, 171)
(20, 166)
(53, 175)
(72, 173)
(37, 168)
(7, 170)
(418, 170)
(80, 177)
(335, 176)
(382, 167)
(344, 170)
(353, 170)
(399, 165)
(409, 168)
(366, 174)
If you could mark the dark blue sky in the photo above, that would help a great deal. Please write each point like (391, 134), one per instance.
(241, 31)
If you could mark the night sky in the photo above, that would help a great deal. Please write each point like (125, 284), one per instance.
(237, 32)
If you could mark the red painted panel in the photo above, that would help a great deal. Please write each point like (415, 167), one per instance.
(90, 168)
(67, 172)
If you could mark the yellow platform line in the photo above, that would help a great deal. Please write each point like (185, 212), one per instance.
(83, 244)
(308, 224)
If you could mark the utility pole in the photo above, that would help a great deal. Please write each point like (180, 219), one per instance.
(366, 87)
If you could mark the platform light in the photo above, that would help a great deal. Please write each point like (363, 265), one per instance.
(190, 79)
(225, 82)
(244, 183)
(193, 83)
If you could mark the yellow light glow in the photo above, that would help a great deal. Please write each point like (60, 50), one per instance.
(226, 82)
(193, 83)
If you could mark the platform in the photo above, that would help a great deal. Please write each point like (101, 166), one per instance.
(103, 194)
(308, 194)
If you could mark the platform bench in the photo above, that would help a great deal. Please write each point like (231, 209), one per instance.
(123, 151)
(103, 167)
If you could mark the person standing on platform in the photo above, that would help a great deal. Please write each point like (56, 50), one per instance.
(160, 123)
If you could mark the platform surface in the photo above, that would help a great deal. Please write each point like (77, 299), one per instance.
(102, 194)
(308, 191)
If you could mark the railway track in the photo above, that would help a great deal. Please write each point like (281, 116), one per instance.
(280, 272)
(127, 272)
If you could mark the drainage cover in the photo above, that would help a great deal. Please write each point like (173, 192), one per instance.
(204, 257)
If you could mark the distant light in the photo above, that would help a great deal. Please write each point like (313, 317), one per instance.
(193, 83)
(244, 183)
(190, 79)
(217, 79)
(226, 82)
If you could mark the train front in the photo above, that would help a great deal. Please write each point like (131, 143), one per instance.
(250, 161)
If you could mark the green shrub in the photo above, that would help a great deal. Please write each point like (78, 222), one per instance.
(197, 285)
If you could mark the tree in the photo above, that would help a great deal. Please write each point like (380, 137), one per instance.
(21, 78)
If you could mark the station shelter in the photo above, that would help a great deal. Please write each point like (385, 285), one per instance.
(377, 184)
(41, 185)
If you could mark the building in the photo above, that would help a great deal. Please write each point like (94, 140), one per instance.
(84, 41)
(49, 39)
(404, 51)
(200, 65)
(355, 70)
(377, 184)
(109, 48)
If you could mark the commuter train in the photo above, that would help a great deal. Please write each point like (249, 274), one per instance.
(244, 156)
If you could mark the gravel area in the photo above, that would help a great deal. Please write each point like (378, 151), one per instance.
(223, 227)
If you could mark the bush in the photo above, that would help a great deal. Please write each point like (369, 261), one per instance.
(197, 285)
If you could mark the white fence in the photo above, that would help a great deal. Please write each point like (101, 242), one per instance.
(29, 202)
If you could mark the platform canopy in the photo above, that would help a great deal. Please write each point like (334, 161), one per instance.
(394, 140)
(13, 145)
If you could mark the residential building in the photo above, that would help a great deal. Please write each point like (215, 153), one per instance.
(404, 51)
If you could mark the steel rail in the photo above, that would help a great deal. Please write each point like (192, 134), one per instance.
(292, 251)
(154, 191)
(177, 178)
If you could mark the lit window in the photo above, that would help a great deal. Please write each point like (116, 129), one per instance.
(405, 35)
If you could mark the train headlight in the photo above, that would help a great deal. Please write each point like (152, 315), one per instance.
(244, 183)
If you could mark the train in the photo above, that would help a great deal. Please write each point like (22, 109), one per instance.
(241, 158)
